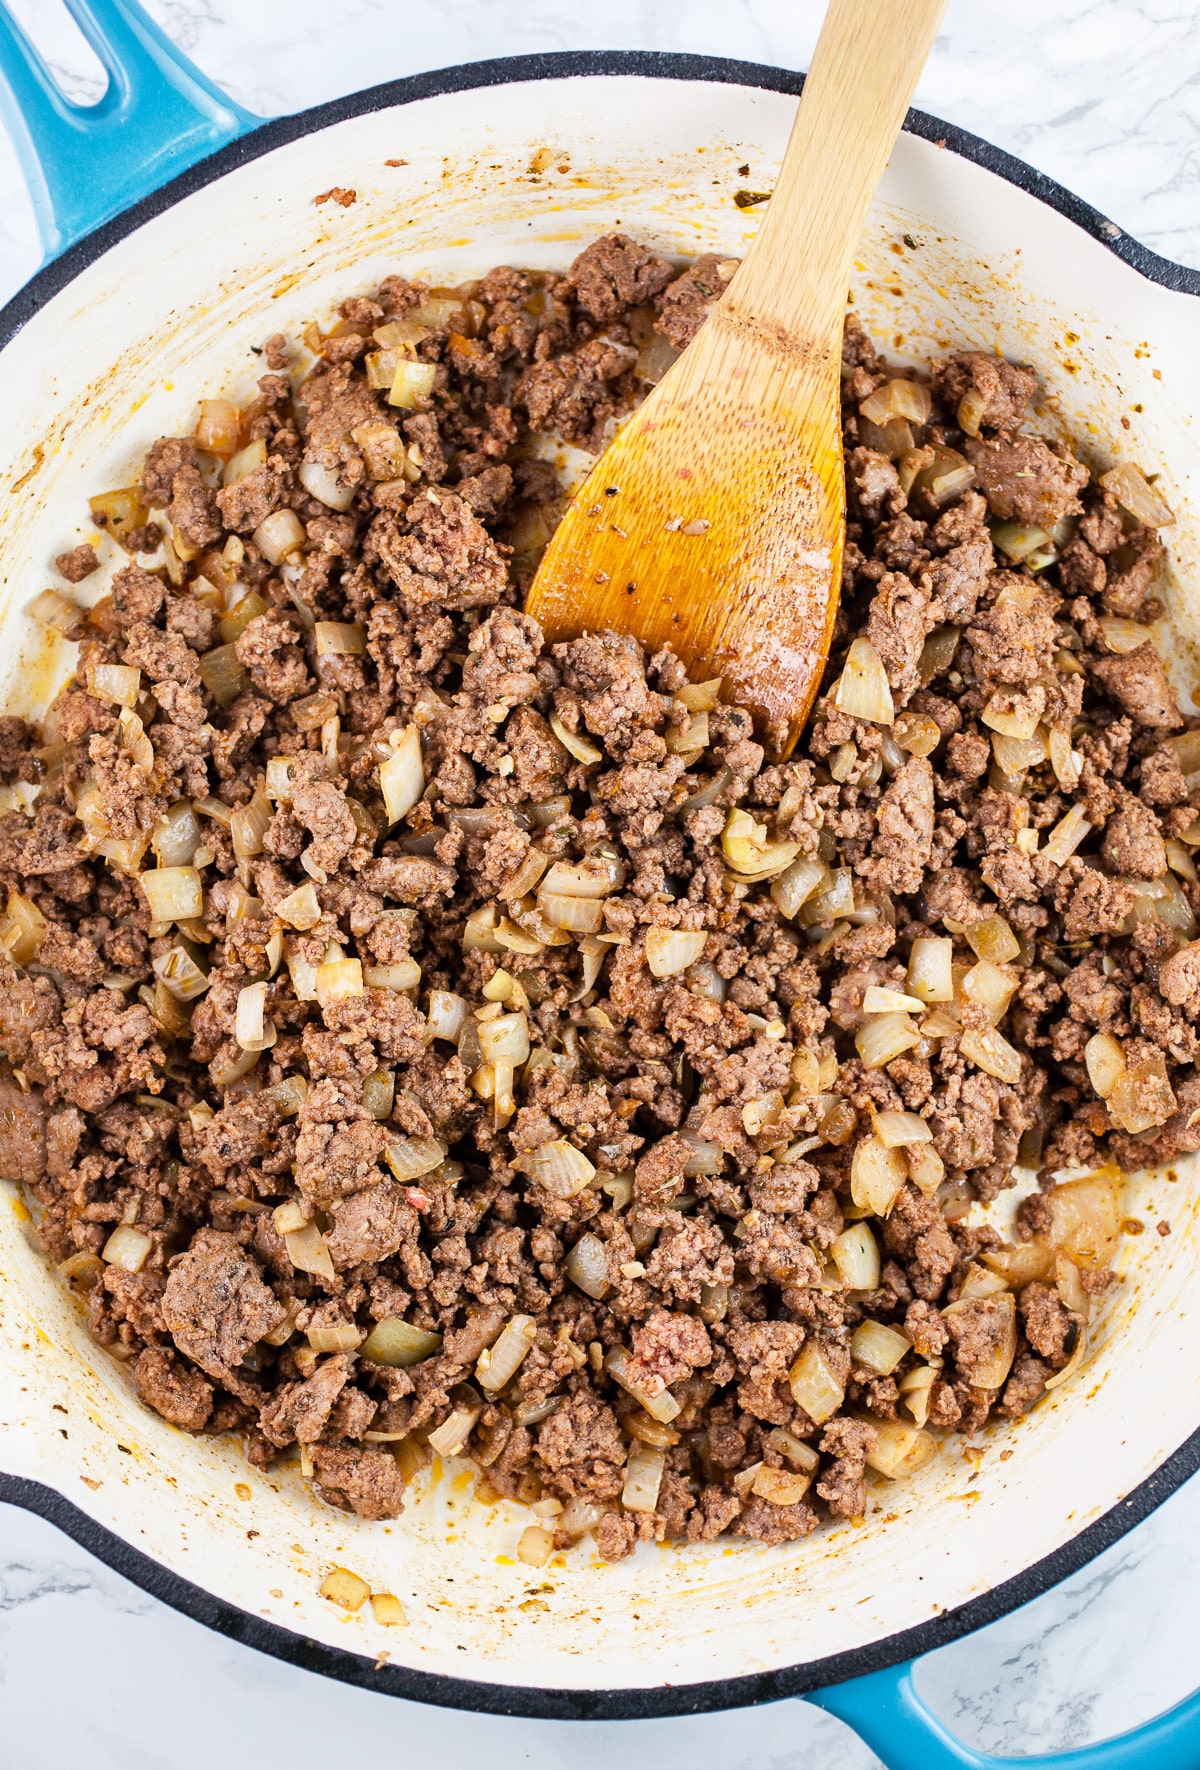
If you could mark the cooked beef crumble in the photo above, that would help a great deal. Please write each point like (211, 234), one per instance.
(503, 1054)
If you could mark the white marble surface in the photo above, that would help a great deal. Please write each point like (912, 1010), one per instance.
(1105, 96)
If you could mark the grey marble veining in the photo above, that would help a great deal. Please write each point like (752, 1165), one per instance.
(1104, 95)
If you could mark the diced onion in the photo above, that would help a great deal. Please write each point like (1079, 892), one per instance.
(338, 979)
(445, 1015)
(175, 894)
(223, 675)
(504, 1039)
(706, 1157)
(325, 485)
(1134, 493)
(398, 1344)
(883, 1037)
(700, 697)
(308, 1251)
(780, 1487)
(749, 849)
(1141, 1098)
(412, 381)
(1086, 1220)
(387, 1610)
(176, 839)
(342, 1337)
(119, 683)
(248, 825)
(454, 1431)
(898, 398)
(990, 1051)
(898, 1130)
(829, 902)
(574, 742)
(218, 426)
(671, 950)
(878, 1347)
(1105, 1060)
(300, 908)
(279, 535)
(660, 1405)
(855, 1253)
(345, 1589)
(1123, 636)
(877, 1174)
(587, 1267)
(797, 883)
(1018, 541)
(581, 915)
(594, 876)
(22, 928)
(535, 1545)
(802, 1456)
(403, 974)
(558, 1167)
(643, 1478)
(814, 1384)
(500, 1361)
(179, 973)
(945, 476)
(926, 1168)
(57, 611)
(1066, 836)
(339, 639)
(930, 977)
(402, 775)
(127, 1248)
(990, 988)
(1015, 756)
(862, 690)
(877, 1000)
(251, 1029)
(379, 1093)
(291, 1215)
(900, 1450)
(289, 1095)
(1022, 1264)
(411, 1157)
(994, 940)
(245, 462)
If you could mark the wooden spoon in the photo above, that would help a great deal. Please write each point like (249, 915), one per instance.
(715, 520)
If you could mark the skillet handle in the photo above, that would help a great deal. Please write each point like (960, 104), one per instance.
(888, 1715)
(83, 164)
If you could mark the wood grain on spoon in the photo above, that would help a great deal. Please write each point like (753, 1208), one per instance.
(715, 521)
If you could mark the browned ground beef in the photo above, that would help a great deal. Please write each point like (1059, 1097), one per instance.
(648, 1156)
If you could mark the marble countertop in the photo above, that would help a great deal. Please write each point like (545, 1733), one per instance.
(1104, 95)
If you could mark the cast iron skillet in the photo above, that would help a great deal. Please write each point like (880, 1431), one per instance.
(95, 174)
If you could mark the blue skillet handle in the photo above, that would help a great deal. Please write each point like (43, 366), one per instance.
(887, 1714)
(85, 163)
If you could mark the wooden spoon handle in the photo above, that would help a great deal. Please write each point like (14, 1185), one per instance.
(864, 71)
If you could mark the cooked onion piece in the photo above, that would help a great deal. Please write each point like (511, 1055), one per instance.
(862, 690)
(815, 1385)
(671, 950)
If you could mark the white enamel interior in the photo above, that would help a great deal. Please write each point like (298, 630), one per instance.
(119, 358)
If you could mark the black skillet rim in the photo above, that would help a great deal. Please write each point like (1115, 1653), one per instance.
(520, 1700)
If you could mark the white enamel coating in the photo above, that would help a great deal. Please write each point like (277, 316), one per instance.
(119, 358)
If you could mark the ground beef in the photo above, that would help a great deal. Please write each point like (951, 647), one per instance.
(1004, 388)
(684, 304)
(216, 1305)
(614, 274)
(1025, 479)
(78, 564)
(470, 1108)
